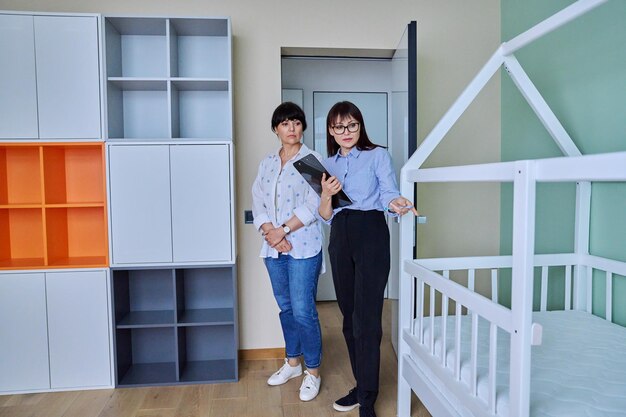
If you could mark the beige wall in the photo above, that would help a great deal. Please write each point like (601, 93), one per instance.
(455, 39)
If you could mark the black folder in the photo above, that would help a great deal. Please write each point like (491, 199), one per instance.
(311, 170)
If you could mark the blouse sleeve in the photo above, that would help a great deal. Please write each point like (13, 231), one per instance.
(386, 179)
(259, 209)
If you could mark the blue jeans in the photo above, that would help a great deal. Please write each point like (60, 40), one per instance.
(294, 282)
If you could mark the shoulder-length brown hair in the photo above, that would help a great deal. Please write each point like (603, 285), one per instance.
(344, 110)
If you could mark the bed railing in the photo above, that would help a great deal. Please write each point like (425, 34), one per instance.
(431, 278)
(517, 320)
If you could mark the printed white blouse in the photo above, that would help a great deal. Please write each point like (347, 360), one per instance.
(278, 194)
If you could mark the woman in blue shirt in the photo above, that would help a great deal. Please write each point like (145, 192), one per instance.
(284, 208)
(359, 243)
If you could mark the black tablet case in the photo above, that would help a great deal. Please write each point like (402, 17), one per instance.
(311, 170)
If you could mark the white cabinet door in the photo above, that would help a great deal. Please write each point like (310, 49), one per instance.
(141, 221)
(23, 332)
(68, 86)
(18, 89)
(78, 328)
(201, 201)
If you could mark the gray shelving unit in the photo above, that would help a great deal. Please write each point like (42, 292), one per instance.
(171, 199)
(175, 325)
(168, 78)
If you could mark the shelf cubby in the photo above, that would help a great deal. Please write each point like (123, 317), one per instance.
(206, 353)
(138, 109)
(20, 175)
(21, 238)
(192, 102)
(199, 48)
(145, 356)
(76, 236)
(204, 296)
(136, 47)
(143, 297)
(74, 175)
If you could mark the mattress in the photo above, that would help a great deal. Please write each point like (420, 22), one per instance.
(579, 370)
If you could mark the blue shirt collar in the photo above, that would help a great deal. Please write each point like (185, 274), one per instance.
(354, 152)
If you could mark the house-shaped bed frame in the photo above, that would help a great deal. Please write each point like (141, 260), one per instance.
(422, 367)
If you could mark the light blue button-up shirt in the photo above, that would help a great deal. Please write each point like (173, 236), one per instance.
(367, 177)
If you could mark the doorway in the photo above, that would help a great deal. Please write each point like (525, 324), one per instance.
(316, 82)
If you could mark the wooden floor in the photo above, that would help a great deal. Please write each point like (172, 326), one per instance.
(250, 397)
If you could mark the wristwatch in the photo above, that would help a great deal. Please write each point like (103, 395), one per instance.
(286, 228)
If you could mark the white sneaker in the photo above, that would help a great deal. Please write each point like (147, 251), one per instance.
(310, 386)
(285, 373)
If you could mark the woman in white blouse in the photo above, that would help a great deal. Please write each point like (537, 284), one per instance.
(284, 207)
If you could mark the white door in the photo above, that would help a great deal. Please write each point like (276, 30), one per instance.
(403, 142)
(141, 217)
(68, 78)
(78, 328)
(18, 100)
(23, 332)
(201, 223)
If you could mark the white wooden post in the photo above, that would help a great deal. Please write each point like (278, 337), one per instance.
(407, 236)
(524, 188)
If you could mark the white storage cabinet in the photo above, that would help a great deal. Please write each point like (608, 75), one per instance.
(49, 77)
(54, 328)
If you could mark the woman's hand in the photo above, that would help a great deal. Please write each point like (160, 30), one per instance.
(283, 246)
(330, 186)
(402, 206)
(274, 236)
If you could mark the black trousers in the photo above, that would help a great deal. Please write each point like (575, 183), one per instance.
(360, 260)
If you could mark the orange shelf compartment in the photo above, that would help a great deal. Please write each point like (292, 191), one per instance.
(21, 238)
(76, 237)
(20, 175)
(74, 173)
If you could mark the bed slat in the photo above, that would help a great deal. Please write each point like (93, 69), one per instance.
(493, 349)
(474, 357)
(544, 288)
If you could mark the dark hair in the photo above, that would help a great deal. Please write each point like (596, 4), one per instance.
(344, 110)
(288, 111)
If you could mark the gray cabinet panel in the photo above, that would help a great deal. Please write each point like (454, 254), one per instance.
(139, 180)
(79, 343)
(18, 100)
(201, 198)
(67, 77)
(23, 332)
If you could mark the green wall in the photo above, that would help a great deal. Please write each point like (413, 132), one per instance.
(580, 70)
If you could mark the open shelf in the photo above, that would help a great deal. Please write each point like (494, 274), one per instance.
(138, 109)
(196, 306)
(192, 101)
(168, 78)
(143, 297)
(136, 47)
(199, 48)
(206, 353)
(21, 238)
(76, 236)
(74, 174)
(20, 175)
(52, 205)
(145, 356)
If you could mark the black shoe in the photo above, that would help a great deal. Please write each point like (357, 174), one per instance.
(367, 411)
(347, 403)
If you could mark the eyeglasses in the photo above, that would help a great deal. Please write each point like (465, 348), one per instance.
(352, 127)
